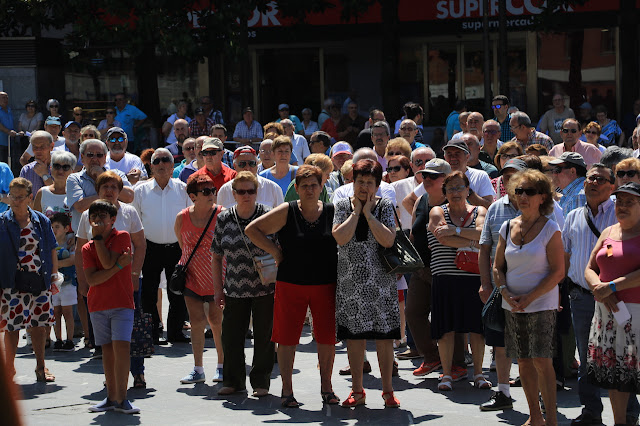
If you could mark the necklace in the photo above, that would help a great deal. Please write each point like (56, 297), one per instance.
(522, 235)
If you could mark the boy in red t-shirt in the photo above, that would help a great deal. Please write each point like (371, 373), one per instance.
(107, 266)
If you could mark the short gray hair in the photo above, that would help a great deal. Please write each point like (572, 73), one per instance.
(423, 150)
(365, 154)
(86, 144)
(160, 151)
(41, 134)
(522, 118)
(286, 121)
(615, 154)
(64, 157)
(380, 124)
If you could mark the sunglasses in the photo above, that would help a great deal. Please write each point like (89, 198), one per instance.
(207, 191)
(31, 106)
(157, 161)
(591, 132)
(497, 106)
(569, 130)
(455, 188)
(393, 153)
(557, 170)
(418, 162)
(65, 167)
(529, 191)
(394, 169)
(54, 106)
(114, 140)
(598, 179)
(407, 128)
(89, 136)
(111, 112)
(630, 173)
(243, 164)
(245, 191)
(188, 148)
(96, 154)
(211, 152)
(433, 176)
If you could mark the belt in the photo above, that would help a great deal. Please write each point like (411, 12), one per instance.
(573, 285)
(169, 245)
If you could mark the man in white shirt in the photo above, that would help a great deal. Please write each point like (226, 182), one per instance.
(404, 187)
(158, 202)
(385, 190)
(246, 159)
(119, 159)
(380, 135)
(300, 144)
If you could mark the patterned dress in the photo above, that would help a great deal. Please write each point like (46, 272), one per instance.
(366, 296)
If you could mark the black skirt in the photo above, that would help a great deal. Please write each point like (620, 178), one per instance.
(455, 305)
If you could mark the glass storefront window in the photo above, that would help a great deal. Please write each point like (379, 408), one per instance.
(443, 84)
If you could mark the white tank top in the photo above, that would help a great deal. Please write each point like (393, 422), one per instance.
(53, 203)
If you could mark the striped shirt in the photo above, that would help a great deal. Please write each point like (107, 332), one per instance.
(497, 214)
(578, 239)
(443, 258)
(573, 196)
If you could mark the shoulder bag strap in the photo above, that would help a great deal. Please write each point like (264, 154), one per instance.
(466, 218)
(201, 236)
(590, 222)
(235, 216)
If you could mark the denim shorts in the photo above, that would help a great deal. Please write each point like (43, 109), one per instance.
(112, 324)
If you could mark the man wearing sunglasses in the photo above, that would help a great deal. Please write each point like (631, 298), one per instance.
(158, 202)
(119, 159)
(189, 151)
(525, 133)
(571, 142)
(245, 158)
(569, 173)
(408, 131)
(220, 173)
(81, 186)
(500, 107)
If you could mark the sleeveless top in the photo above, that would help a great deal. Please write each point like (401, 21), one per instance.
(310, 252)
(625, 259)
(443, 258)
(199, 274)
(53, 203)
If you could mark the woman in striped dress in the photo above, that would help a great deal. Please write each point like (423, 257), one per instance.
(189, 226)
(455, 304)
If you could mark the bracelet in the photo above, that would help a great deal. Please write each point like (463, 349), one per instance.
(612, 286)
(502, 287)
(118, 265)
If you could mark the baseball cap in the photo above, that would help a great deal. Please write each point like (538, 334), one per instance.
(514, 163)
(199, 110)
(571, 158)
(53, 121)
(70, 123)
(113, 130)
(242, 150)
(247, 109)
(283, 106)
(212, 143)
(341, 148)
(436, 166)
(632, 188)
(456, 144)
(585, 105)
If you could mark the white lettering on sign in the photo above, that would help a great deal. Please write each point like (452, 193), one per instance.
(446, 9)
(266, 19)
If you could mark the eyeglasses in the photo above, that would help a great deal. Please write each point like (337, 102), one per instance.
(591, 132)
(625, 203)
(491, 132)
(630, 173)
(101, 215)
(497, 106)
(407, 128)
(245, 191)
(210, 152)
(243, 164)
(455, 188)
(391, 154)
(207, 191)
(111, 112)
(515, 127)
(65, 167)
(529, 191)
(89, 136)
(557, 170)
(157, 161)
(18, 197)
(114, 140)
(418, 162)
(598, 179)
(433, 176)
(569, 130)
(394, 169)
(188, 148)
(77, 114)
(94, 154)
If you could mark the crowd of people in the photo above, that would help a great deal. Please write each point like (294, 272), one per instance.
(546, 220)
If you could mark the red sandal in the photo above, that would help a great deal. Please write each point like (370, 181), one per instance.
(353, 402)
(391, 401)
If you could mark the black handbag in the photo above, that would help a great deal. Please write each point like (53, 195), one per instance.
(27, 281)
(492, 312)
(178, 279)
(402, 257)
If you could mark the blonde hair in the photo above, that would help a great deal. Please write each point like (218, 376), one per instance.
(347, 167)
(401, 145)
(320, 160)
(245, 176)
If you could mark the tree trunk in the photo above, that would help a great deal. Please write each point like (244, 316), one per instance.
(576, 46)
(389, 83)
(629, 67)
(148, 98)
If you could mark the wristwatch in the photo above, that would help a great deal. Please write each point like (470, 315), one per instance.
(458, 230)
(46, 177)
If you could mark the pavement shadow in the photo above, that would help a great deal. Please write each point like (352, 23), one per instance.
(110, 418)
(35, 390)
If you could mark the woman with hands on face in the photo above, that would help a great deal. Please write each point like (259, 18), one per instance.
(366, 296)
(527, 268)
(612, 273)
(455, 304)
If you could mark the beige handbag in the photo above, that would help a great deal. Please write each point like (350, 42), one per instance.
(265, 265)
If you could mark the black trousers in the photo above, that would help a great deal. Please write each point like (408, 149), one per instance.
(161, 257)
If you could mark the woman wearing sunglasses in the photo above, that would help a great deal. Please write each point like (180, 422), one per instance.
(53, 106)
(592, 132)
(89, 132)
(506, 152)
(190, 224)
(243, 294)
(527, 268)
(31, 120)
(627, 170)
(51, 199)
(398, 168)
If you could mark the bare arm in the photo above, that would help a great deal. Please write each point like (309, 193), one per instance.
(166, 129)
(37, 202)
(484, 264)
(446, 234)
(139, 244)
(475, 200)
(343, 232)
(268, 224)
(177, 226)
(54, 261)
(383, 235)
(409, 202)
(24, 158)
(126, 195)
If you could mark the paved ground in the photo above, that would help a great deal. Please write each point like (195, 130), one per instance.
(165, 401)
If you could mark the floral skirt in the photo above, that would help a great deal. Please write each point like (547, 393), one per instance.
(612, 360)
